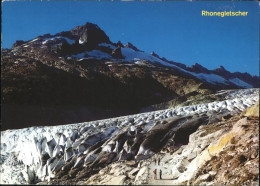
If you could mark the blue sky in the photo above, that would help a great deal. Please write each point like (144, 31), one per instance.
(174, 30)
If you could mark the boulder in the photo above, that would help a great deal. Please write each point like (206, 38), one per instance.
(116, 180)
(141, 176)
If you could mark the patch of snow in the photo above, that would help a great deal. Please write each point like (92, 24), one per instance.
(107, 45)
(69, 41)
(240, 83)
(94, 54)
(80, 55)
(132, 55)
(34, 40)
(211, 78)
(46, 41)
(81, 41)
(109, 62)
(98, 54)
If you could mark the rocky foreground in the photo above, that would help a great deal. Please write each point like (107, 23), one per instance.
(210, 143)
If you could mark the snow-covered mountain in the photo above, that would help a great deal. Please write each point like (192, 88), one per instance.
(90, 42)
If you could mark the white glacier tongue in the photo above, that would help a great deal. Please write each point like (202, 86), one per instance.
(35, 154)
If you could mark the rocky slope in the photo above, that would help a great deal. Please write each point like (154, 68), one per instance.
(80, 75)
(122, 150)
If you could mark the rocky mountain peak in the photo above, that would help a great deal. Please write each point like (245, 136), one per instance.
(130, 45)
(197, 65)
(18, 43)
(119, 44)
(154, 54)
(221, 69)
(198, 68)
(90, 34)
(223, 72)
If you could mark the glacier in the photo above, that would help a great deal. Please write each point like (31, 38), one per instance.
(38, 152)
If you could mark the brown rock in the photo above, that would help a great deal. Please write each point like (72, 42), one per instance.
(252, 111)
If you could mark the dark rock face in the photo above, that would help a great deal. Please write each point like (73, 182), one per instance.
(18, 43)
(117, 53)
(86, 37)
(90, 34)
(119, 44)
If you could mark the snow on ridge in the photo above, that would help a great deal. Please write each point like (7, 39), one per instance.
(69, 41)
(33, 40)
(98, 54)
(107, 45)
(131, 54)
(211, 78)
(135, 56)
(240, 83)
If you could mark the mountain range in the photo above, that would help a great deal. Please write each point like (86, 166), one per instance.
(83, 75)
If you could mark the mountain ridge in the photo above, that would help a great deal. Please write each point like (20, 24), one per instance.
(88, 37)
